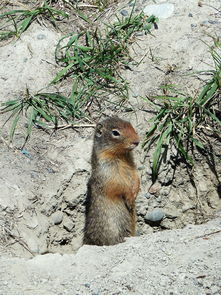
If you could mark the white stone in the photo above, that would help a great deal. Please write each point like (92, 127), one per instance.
(57, 217)
(164, 10)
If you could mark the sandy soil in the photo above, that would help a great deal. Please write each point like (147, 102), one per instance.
(170, 262)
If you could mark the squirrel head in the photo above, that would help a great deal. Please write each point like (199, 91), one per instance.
(115, 136)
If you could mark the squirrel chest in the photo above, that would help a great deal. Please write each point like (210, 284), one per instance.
(120, 176)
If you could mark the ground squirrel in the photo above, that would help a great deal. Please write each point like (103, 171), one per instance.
(113, 185)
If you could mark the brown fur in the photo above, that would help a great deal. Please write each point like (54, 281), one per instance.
(113, 186)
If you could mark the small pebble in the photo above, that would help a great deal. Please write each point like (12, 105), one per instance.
(213, 22)
(155, 189)
(141, 168)
(69, 225)
(50, 170)
(193, 25)
(124, 12)
(148, 195)
(57, 217)
(159, 199)
(156, 215)
(87, 285)
(34, 174)
(135, 95)
(41, 36)
(139, 34)
(163, 10)
(26, 153)
(190, 15)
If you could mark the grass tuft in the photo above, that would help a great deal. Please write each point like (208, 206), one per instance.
(15, 22)
(180, 119)
(44, 109)
(91, 59)
(94, 58)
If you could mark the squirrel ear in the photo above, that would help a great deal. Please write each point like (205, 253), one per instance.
(99, 130)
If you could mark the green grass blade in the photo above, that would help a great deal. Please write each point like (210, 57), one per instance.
(60, 75)
(157, 152)
(24, 24)
(198, 143)
(14, 125)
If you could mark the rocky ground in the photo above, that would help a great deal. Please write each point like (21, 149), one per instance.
(43, 185)
(171, 262)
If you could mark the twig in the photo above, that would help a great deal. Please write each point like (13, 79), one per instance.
(87, 6)
(18, 239)
(217, 9)
(62, 127)
(142, 58)
(209, 234)
(6, 143)
(19, 4)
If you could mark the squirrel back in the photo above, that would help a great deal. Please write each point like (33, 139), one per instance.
(113, 185)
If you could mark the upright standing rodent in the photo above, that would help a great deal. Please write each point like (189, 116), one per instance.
(113, 185)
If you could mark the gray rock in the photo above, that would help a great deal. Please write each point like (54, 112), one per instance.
(124, 12)
(148, 195)
(50, 170)
(156, 215)
(69, 225)
(164, 10)
(41, 36)
(57, 217)
(87, 285)
(139, 34)
(141, 168)
(212, 22)
(159, 199)
(190, 15)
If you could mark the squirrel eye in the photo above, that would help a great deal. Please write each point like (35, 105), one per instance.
(115, 133)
